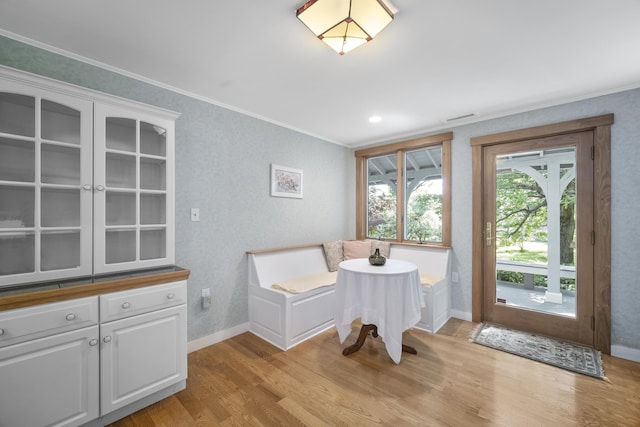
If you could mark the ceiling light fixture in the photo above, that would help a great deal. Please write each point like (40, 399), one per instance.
(345, 24)
(375, 119)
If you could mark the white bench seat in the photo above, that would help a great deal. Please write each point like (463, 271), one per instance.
(434, 268)
(429, 279)
(283, 318)
(292, 292)
(299, 285)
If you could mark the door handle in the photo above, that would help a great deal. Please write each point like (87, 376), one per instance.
(487, 234)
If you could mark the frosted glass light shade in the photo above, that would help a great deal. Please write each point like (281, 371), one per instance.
(345, 24)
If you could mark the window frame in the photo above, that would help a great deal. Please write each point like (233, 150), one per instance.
(400, 148)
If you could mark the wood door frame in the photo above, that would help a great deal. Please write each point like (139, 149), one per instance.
(601, 128)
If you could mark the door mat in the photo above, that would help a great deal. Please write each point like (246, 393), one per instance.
(573, 357)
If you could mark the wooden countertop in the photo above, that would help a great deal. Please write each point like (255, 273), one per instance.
(28, 295)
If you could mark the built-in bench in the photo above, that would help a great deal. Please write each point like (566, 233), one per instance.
(285, 318)
(434, 267)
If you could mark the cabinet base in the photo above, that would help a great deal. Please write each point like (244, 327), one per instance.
(136, 406)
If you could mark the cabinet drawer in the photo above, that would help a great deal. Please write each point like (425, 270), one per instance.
(119, 305)
(29, 323)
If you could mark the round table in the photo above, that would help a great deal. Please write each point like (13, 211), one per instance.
(387, 298)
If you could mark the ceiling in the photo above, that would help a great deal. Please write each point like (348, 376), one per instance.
(438, 59)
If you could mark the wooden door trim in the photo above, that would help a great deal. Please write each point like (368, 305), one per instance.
(601, 128)
(602, 247)
(579, 125)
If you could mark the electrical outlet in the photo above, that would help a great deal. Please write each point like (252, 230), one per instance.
(206, 298)
(195, 214)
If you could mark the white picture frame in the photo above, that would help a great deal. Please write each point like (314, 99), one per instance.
(286, 182)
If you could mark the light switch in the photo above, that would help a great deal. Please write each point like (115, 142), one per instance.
(195, 214)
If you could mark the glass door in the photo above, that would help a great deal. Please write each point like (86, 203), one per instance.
(134, 197)
(535, 230)
(538, 213)
(45, 186)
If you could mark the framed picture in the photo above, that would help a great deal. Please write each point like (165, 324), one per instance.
(286, 182)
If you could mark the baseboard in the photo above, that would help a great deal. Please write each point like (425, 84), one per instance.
(462, 315)
(623, 352)
(217, 337)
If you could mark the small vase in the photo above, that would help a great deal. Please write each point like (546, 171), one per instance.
(376, 258)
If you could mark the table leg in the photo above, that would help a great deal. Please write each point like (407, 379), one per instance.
(364, 331)
(409, 349)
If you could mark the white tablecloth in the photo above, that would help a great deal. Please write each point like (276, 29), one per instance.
(387, 296)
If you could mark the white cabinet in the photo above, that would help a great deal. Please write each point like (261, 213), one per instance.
(92, 360)
(86, 182)
(46, 157)
(146, 349)
(54, 379)
(134, 201)
(142, 355)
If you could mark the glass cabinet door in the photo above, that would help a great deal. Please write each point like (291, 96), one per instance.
(134, 176)
(45, 185)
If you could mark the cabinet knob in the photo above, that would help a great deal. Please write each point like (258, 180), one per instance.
(71, 316)
(126, 305)
(1, 332)
(93, 342)
(100, 187)
(107, 338)
(87, 187)
(171, 296)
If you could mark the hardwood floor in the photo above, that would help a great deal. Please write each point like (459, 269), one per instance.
(450, 382)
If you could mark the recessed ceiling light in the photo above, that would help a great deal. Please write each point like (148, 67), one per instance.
(375, 119)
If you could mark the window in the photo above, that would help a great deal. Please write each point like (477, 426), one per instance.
(404, 191)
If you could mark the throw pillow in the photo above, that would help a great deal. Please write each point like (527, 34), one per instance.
(333, 254)
(356, 249)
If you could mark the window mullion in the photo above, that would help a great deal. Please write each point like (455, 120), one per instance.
(361, 198)
(400, 186)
